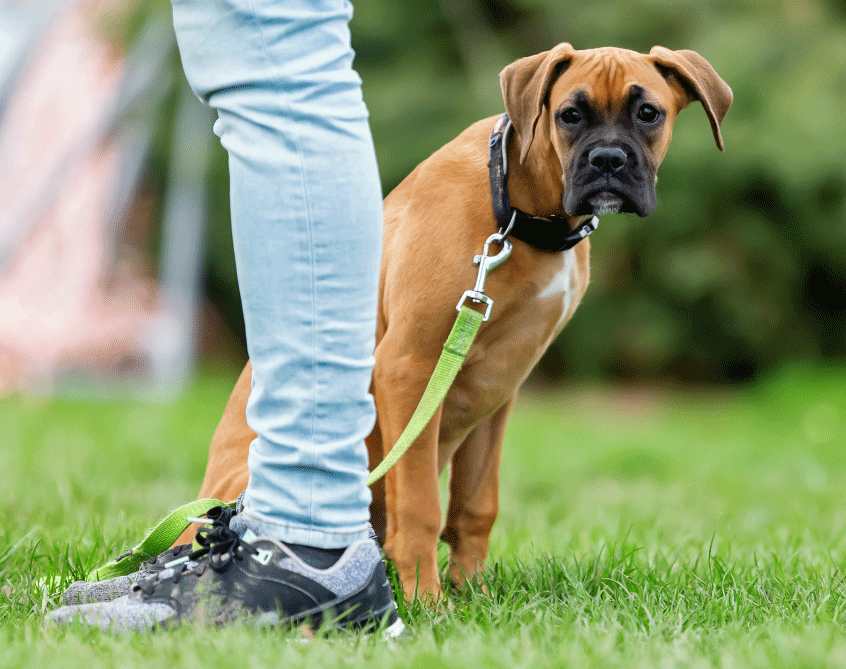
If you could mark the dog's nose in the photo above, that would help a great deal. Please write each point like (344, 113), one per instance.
(607, 160)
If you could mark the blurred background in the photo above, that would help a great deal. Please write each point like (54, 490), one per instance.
(116, 262)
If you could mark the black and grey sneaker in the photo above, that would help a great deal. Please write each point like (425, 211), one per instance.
(256, 580)
(84, 592)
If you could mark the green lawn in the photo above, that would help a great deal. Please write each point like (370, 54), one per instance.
(637, 529)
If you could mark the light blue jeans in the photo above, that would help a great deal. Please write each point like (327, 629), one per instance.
(307, 224)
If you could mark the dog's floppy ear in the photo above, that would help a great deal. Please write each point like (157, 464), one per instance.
(699, 80)
(525, 84)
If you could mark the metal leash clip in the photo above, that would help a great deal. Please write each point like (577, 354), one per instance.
(486, 264)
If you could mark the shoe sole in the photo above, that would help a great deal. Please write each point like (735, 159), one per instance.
(395, 630)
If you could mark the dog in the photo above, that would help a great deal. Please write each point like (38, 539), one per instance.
(590, 128)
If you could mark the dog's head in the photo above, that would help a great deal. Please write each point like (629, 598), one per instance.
(606, 116)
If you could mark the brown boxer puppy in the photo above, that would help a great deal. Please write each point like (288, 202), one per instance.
(591, 128)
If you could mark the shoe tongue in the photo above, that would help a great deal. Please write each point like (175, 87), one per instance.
(318, 558)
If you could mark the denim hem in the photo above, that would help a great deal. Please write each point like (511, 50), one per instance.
(307, 535)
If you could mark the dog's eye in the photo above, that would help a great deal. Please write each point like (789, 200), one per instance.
(570, 116)
(648, 114)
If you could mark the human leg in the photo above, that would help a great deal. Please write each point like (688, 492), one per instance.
(306, 218)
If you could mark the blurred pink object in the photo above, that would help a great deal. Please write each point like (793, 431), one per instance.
(73, 296)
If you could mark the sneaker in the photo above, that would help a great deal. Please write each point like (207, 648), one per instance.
(257, 580)
(84, 592)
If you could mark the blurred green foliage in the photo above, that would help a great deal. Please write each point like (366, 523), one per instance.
(743, 264)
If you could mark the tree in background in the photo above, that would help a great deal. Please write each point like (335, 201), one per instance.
(741, 268)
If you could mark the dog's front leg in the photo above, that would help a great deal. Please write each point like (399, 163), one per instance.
(474, 496)
(412, 503)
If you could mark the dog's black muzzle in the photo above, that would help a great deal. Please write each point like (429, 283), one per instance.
(610, 177)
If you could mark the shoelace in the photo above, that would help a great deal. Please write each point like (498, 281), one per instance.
(157, 563)
(218, 543)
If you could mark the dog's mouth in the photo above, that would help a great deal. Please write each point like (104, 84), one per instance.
(606, 202)
(600, 202)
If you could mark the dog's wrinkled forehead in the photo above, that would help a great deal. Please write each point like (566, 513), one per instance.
(605, 78)
(676, 77)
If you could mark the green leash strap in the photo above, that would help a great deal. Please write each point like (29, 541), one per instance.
(157, 540)
(455, 350)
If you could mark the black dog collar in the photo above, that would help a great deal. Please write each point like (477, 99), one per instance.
(551, 234)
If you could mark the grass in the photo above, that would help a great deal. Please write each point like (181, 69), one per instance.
(637, 529)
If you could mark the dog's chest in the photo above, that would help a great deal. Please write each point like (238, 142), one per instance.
(561, 288)
(505, 353)
(538, 309)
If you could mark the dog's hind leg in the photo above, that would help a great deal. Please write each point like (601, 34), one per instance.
(474, 496)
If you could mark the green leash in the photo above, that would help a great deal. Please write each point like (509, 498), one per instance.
(455, 350)
(157, 540)
(461, 337)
